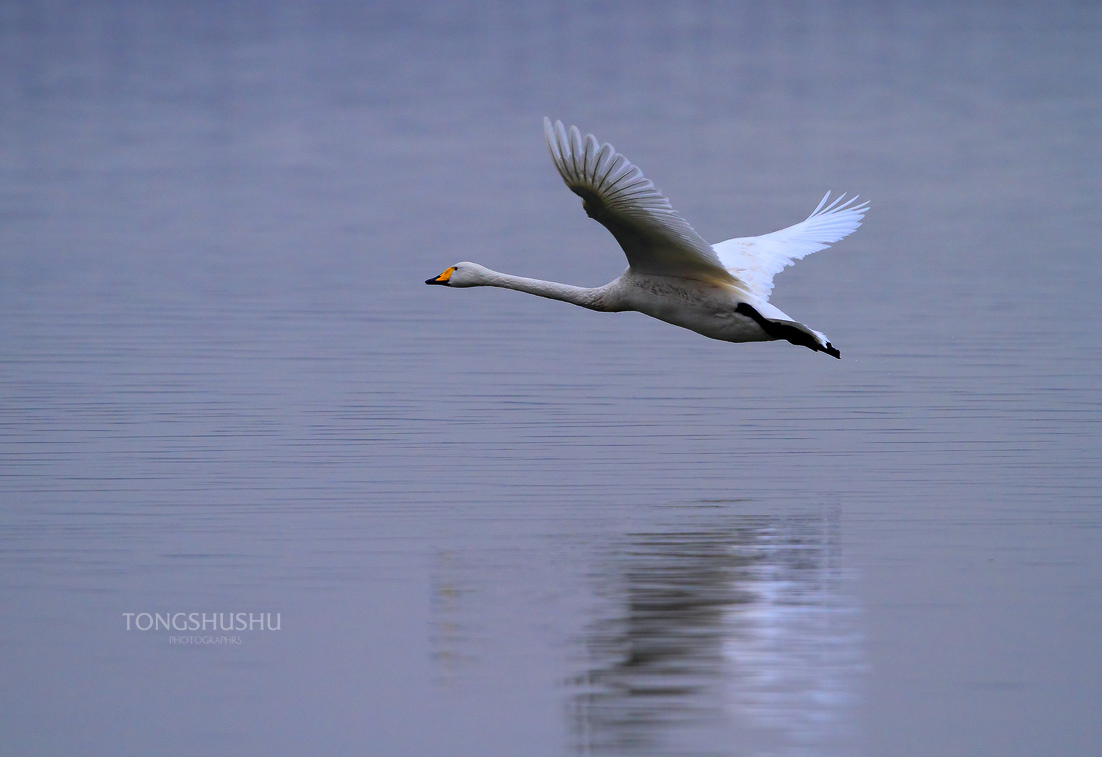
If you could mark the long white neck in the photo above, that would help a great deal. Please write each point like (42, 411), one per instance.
(594, 298)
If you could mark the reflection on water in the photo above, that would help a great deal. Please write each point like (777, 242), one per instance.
(749, 628)
(452, 639)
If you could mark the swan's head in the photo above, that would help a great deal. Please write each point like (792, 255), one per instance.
(461, 275)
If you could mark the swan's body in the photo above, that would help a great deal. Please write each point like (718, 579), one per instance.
(720, 291)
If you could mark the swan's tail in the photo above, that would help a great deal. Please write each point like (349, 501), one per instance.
(791, 331)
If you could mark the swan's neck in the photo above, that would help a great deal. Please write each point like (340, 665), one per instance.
(594, 298)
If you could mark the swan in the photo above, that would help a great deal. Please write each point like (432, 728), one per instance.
(721, 291)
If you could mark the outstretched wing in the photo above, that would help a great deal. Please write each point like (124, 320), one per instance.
(614, 192)
(756, 260)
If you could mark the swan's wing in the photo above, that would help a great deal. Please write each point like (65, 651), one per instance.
(756, 260)
(655, 238)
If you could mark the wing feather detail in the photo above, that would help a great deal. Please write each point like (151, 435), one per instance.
(614, 192)
(756, 260)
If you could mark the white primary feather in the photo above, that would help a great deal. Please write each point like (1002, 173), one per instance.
(655, 238)
(756, 260)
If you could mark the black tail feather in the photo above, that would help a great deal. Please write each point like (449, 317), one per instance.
(790, 331)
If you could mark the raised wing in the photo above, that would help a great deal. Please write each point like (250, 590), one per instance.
(614, 192)
(756, 260)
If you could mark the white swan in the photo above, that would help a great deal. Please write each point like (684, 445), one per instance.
(720, 291)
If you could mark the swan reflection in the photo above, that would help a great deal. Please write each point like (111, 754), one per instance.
(743, 637)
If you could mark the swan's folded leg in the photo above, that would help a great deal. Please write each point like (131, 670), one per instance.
(791, 331)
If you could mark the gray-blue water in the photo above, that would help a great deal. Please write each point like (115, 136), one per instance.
(497, 525)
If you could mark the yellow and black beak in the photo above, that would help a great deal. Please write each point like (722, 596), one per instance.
(442, 278)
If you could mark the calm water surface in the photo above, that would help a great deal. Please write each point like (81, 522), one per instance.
(496, 525)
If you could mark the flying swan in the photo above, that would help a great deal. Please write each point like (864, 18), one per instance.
(720, 291)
